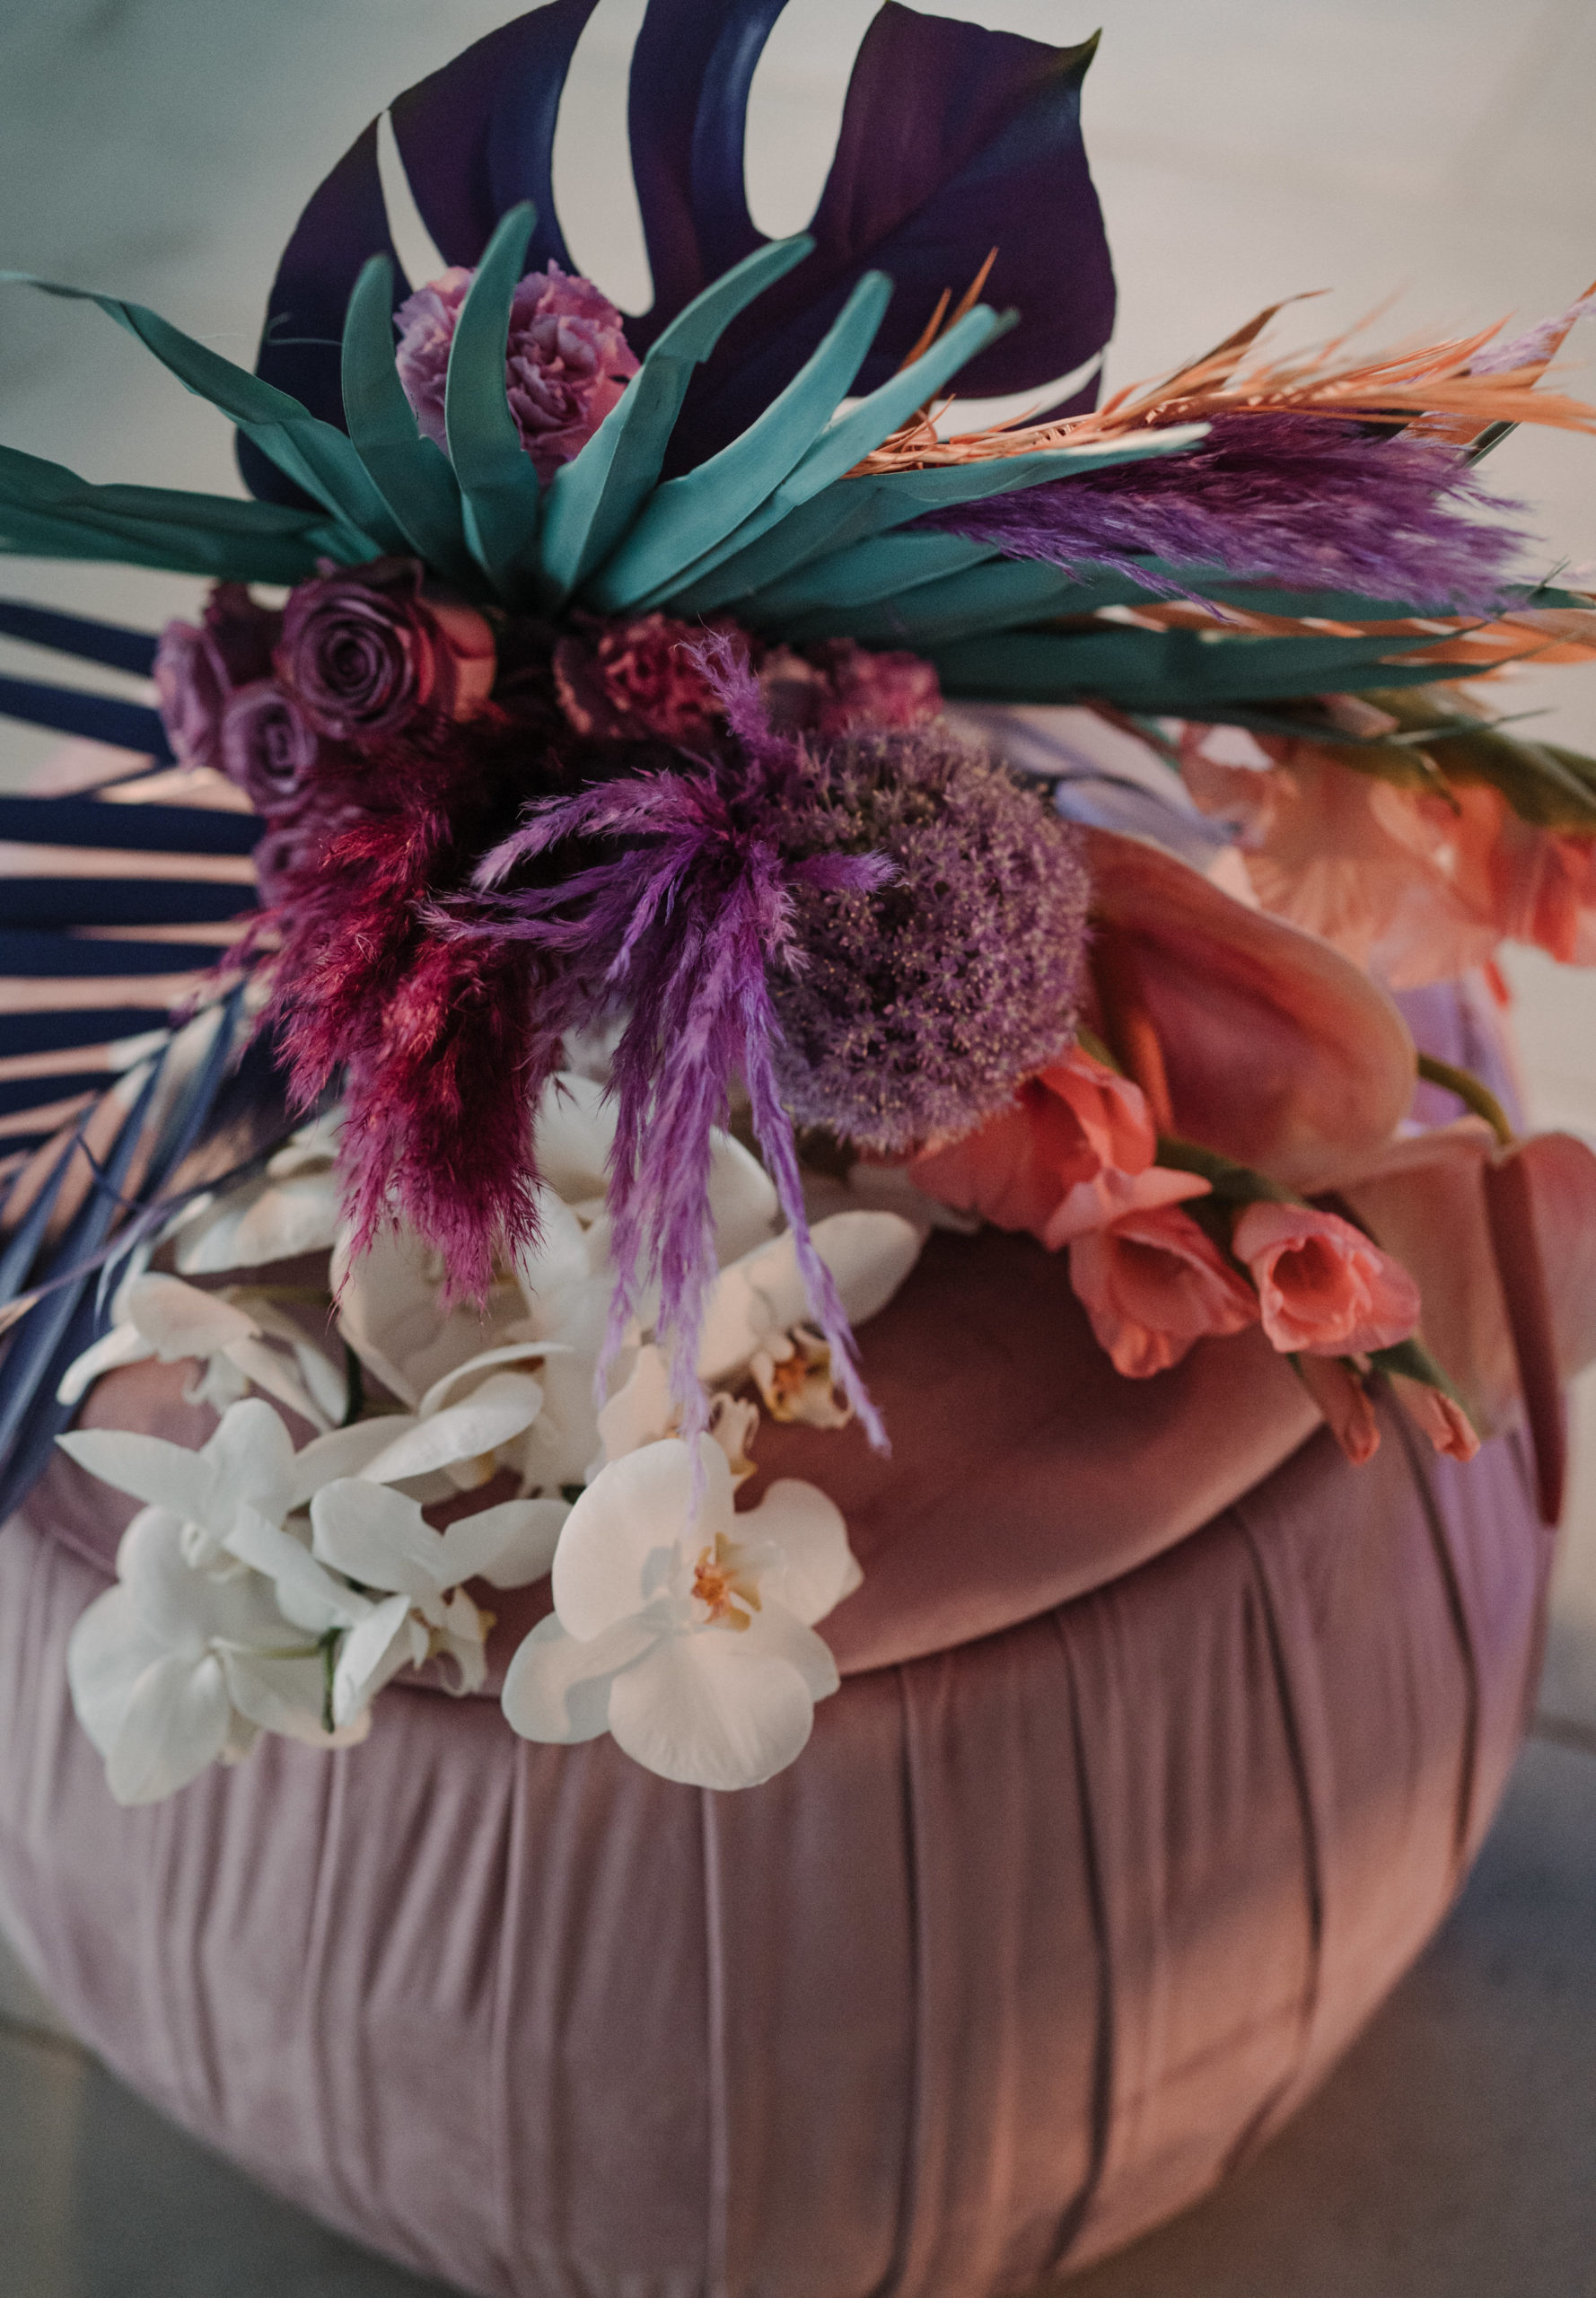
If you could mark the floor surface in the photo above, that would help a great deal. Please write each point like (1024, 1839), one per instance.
(1244, 149)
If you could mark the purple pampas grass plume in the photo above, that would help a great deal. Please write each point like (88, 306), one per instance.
(680, 923)
(1294, 499)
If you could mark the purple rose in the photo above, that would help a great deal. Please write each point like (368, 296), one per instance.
(268, 747)
(363, 651)
(565, 364)
(191, 689)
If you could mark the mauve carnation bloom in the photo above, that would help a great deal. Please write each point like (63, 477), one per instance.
(268, 747)
(566, 362)
(866, 690)
(363, 651)
(1322, 1285)
(1072, 1151)
(917, 1005)
(636, 680)
(840, 688)
(1152, 1284)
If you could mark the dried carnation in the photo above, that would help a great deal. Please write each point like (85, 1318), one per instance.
(565, 364)
(918, 1005)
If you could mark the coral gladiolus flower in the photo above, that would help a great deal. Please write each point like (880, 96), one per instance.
(1322, 1285)
(1073, 1151)
(1152, 1284)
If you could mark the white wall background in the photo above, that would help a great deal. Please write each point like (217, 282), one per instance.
(1438, 151)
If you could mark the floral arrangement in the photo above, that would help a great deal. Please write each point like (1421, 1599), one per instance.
(667, 921)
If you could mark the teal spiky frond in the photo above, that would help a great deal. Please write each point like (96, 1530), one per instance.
(732, 535)
(774, 530)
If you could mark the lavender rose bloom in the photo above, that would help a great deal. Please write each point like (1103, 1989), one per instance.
(268, 747)
(363, 651)
(565, 364)
(197, 670)
(191, 691)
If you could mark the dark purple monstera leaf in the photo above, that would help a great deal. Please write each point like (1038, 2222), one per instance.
(954, 140)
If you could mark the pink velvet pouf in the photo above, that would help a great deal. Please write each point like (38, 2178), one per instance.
(1164, 1741)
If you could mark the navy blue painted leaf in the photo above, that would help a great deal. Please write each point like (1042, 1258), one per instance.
(955, 140)
(127, 902)
(131, 830)
(74, 634)
(27, 954)
(226, 1112)
(33, 1353)
(99, 717)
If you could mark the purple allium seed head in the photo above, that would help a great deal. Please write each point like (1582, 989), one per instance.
(917, 1006)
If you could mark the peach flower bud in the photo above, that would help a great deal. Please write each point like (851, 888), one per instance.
(1323, 1288)
(1443, 1421)
(1344, 1403)
(1152, 1284)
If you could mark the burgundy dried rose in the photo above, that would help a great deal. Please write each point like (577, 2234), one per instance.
(269, 748)
(565, 364)
(840, 688)
(191, 689)
(243, 632)
(864, 690)
(364, 650)
(636, 681)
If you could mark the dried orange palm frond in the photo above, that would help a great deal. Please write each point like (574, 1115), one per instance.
(1440, 382)
(1566, 635)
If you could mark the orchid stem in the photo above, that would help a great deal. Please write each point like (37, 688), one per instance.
(1470, 1092)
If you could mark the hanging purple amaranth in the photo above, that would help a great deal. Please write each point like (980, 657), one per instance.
(1294, 499)
(681, 925)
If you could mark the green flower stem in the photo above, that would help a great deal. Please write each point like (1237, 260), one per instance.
(1470, 1092)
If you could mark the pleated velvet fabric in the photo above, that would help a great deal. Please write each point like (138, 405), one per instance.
(1041, 1937)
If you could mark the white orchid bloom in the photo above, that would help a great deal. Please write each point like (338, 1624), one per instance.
(176, 1667)
(237, 1338)
(574, 1136)
(688, 1632)
(249, 1460)
(224, 1619)
(293, 1208)
(380, 1539)
(643, 1410)
(760, 1299)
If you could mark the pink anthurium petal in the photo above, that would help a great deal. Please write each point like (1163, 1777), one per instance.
(1277, 1050)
